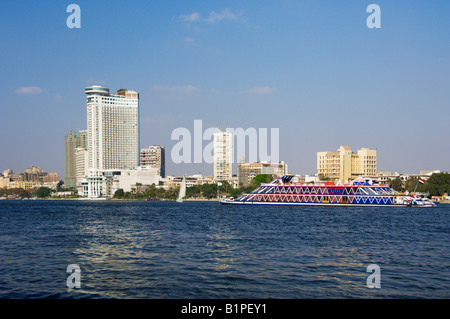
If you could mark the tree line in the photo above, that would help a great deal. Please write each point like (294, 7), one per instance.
(205, 191)
(39, 192)
(225, 189)
(152, 193)
(437, 185)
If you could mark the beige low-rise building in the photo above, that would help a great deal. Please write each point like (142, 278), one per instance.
(33, 177)
(26, 185)
(51, 178)
(387, 176)
(247, 171)
(195, 180)
(4, 181)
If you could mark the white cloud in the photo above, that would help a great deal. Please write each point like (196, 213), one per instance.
(190, 17)
(57, 98)
(189, 40)
(262, 90)
(177, 89)
(28, 90)
(225, 14)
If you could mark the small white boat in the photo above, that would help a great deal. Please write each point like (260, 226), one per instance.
(421, 202)
(91, 198)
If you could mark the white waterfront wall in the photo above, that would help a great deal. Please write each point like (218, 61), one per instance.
(128, 178)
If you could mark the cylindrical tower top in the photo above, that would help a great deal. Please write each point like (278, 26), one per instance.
(96, 89)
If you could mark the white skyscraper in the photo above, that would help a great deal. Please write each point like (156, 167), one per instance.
(113, 129)
(223, 156)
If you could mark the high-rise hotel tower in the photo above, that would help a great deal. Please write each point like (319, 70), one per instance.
(113, 129)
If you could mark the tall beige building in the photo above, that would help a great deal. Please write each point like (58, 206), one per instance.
(73, 140)
(345, 165)
(367, 162)
(223, 156)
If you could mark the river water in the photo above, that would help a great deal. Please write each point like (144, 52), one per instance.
(168, 250)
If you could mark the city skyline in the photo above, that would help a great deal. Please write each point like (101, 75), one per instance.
(314, 70)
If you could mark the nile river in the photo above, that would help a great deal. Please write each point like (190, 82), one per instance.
(133, 249)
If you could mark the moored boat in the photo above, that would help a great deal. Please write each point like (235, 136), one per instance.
(359, 192)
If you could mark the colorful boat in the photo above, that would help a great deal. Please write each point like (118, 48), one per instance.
(360, 192)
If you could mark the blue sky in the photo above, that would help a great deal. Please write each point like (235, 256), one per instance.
(311, 68)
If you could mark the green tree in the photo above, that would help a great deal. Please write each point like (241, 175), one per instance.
(224, 188)
(23, 193)
(171, 193)
(150, 192)
(209, 190)
(413, 184)
(119, 193)
(193, 191)
(139, 196)
(396, 184)
(43, 192)
(60, 187)
(260, 179)
(236, 192)
(438, 184)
